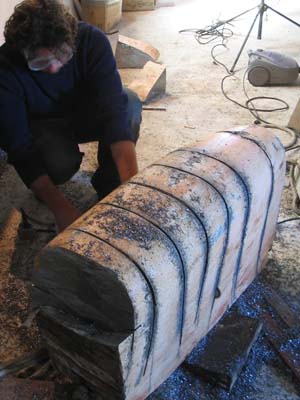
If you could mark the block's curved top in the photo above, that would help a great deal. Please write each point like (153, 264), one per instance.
(129, 289)
(133, 53)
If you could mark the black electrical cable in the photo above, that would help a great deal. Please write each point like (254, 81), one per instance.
(218, 24)
(290, 131)
(288, 220)
(293, 148)
(210, 33)
(254, 109)
(216, 61)
(225, 37)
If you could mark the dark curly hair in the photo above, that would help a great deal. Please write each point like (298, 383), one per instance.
(40, 23)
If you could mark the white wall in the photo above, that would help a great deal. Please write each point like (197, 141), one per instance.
(6, 9)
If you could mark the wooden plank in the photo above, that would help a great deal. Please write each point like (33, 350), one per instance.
(281, 342)
(132, 53)
(227, 350)
(148, 271)
(280, 306)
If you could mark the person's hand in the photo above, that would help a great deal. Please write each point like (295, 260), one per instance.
(64, 212)
(66, 216)
(124, 156)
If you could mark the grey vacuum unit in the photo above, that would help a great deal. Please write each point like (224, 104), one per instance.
(271, 68)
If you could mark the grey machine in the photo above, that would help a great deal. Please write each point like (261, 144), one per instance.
(271, 68)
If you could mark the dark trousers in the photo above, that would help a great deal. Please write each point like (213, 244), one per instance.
(57, 143)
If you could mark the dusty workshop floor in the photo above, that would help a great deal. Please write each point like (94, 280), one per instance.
(194, 106)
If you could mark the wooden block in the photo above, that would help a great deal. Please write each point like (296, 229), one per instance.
(138, 5)
(131, 287)
(227, 350)
(105, 14)
(132, 53)
(294, 121)
(151, 82)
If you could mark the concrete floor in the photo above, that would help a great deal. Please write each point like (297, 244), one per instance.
(195, 106)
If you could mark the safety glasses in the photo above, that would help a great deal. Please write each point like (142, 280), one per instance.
(58, 57)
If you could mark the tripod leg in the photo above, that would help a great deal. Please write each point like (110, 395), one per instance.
(261, 16)
(245, 41)
(284, 16)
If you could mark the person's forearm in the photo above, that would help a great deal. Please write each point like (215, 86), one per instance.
(124, 156)
(64, 212)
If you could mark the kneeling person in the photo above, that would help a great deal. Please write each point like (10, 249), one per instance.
(59, 87)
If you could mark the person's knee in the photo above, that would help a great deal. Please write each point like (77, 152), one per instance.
(134, 112)
(62, 169)
(55, 142)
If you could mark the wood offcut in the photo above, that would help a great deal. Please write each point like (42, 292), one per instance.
(132, 53)
(227, 350)
(151, 83)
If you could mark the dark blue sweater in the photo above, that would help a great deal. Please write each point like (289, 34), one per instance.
(90, 76)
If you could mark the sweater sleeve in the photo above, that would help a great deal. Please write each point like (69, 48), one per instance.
(104, 84)
(15, 137)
